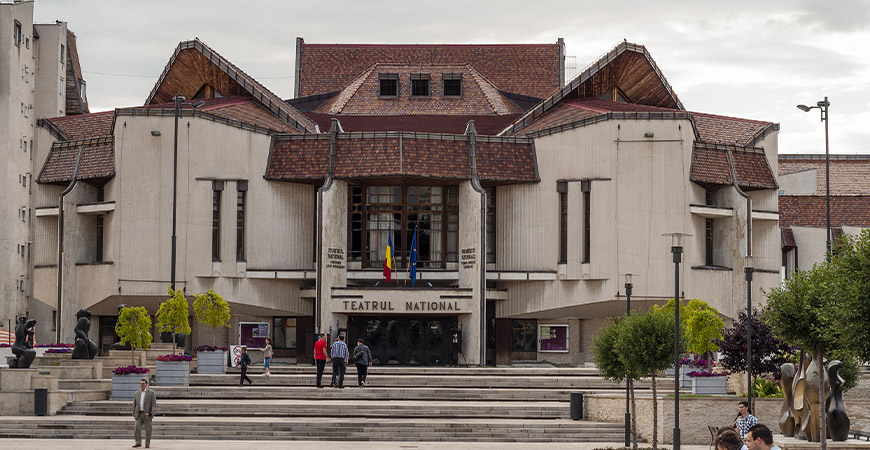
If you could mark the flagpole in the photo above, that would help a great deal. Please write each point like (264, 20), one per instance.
(413, 242)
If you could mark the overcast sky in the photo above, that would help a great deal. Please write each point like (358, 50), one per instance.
(751, 59)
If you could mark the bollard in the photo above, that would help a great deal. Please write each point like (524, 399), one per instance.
(40, 402)
(576, 406)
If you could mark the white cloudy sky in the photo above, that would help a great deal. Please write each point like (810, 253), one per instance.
(752, 59)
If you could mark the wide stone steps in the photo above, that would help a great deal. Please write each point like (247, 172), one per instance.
(258, 390)
(356, 429)
(336, 408)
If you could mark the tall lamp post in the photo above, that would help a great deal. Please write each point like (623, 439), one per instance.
(628, 287)
(677, 251)
(179, 102)
(822, 106)
(748, 268)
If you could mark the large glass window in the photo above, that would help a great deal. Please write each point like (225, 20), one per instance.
(376, 211)
(240, 221)
(216, 221)
(285, 332)
(525, 336)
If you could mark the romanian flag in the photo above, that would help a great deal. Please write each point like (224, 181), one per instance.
(388, 261)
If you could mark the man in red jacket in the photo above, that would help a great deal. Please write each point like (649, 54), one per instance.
(320, 357)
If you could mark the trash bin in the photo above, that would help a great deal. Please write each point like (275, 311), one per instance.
(576, 406)
(40, 402)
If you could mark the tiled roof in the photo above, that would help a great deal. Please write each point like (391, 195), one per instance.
(487, 125)
(531, 70)
(82, 126)
(710, 166)
(195, 65)
(788, 238)
(730, 130)
(387, 155)
(76, 103)
(98, 160)
(361, 96)
(810, 210)
(850, 174)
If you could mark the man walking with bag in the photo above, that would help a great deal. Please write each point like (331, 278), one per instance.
(339, 361)
(362, 357)
(144, 404)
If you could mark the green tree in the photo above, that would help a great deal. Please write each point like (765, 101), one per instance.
(211, 309)
(645, 347)
(133, 328)
(852, 261)
(172, 316)
(703, 327)
(611, 366)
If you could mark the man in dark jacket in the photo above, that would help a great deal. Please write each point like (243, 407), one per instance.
(244, 362)
(362, 357)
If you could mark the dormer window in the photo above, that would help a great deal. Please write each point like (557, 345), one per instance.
(452, 84)
(419, 85)
(389, 85)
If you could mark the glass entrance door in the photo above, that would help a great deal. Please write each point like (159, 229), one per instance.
(405, 341)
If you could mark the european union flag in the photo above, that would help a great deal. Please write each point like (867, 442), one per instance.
(414, 258)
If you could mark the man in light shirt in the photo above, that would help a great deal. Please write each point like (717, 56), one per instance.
(144, 404)
(759, 437)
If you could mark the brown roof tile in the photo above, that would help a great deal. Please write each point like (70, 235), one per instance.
(361, 96)
(98, 160)
(76, 103)
(710, 166)
(401, 155)
(531, 70)
(487, 125)
(850, 174)
(810, 210)
(788, 238)
(729, 130)
(82, 126)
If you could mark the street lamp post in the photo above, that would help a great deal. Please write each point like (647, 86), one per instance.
(179, 101)
(628, 287)
(677, 251)
(822, 106)
(748, 268)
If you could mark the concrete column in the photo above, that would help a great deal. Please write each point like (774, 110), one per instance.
(332, 261)
(73, 242)
(472, 256)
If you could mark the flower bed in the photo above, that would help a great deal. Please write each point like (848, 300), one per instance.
(59, 350)
(125, 381)
(174, 358)
(129, 370)
(708, 382)
(211, 348)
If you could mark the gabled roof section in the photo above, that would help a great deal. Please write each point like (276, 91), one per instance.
(76, 100)
(526, 69)
(710, 166)
(305, 158)
(810, 211)
(361, 96)
(97, 165)
(194, 65)
(850, 174)
(716, 129)
(627, 70)
(82, 126)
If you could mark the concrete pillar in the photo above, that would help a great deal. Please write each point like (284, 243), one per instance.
(472, 257)
(332, 260)
(72, 241)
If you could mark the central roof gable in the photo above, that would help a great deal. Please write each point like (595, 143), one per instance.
(195, 65)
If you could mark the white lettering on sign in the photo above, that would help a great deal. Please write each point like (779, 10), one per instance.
(386, 305)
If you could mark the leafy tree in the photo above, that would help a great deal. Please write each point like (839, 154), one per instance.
(852, 261)
(611, 366)
(132, 328)
(211, 309)
(768, 352)
(703, 327)
(645, 346)
(173, 316)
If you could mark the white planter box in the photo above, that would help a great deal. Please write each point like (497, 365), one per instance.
(124, 387)
(173, 373)
(211, 362)
(709, 385)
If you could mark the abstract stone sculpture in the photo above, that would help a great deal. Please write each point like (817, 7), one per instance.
(84, 348)
(786, 419)
(23, 346)
(798, 403)
(838, 421)
(812, 420)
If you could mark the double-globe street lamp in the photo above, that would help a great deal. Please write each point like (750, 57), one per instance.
(677, 251)
(822, 106)
(179, 103)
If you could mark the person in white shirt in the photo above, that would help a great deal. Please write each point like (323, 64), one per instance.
(759, 437)
(144, 404)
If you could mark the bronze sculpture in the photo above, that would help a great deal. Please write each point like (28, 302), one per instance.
(85, 348)
(838, 421)
(23, 346)
(786, 418)
(803, 401)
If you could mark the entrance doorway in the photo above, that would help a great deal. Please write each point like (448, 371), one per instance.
(419, 341)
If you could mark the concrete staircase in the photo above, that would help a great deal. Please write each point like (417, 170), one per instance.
(398, 404)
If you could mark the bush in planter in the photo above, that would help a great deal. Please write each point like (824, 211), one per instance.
(172, 316)
(129, 370)
(174, 358)
(59, 350)
(125, 381)
(211, 309)
(132, 328)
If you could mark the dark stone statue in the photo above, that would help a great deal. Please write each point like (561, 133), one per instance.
(838, 421)
(85, 348)
(23, 346)
(786, 419)
(118, 345)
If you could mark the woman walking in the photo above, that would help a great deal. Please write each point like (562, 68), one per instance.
(267, 356)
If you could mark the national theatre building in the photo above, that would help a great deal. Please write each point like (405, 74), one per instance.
(516, 198)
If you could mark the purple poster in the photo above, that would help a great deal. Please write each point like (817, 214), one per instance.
(554, 338)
